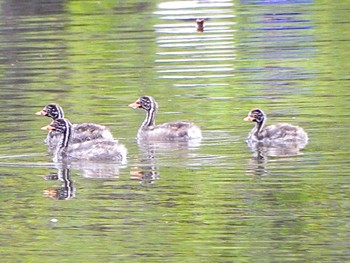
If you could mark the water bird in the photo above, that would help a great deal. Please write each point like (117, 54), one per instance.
(281, 134)
(81, 132)
(93, 150)
(171, 131)
(200, 24)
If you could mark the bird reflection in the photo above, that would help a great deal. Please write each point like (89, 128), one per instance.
(147, 171)
(151, 152)
(66, 191)
(261, 153)
(150, 148)
(263, 150)
(145, 174)
(97, 170)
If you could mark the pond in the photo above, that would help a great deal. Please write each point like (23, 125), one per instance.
(210, 62)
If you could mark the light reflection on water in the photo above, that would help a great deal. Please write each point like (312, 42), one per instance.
(213, 201)
(185, 53)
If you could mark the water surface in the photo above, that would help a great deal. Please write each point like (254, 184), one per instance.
(213, 201)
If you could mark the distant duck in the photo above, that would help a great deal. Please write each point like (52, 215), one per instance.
(81, 132)
(200, 24)
(93, 150)
(282, 134)
(171, 131)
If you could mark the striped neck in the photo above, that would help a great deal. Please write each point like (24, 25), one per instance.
(65, 127)
(67, 132)
(59, 113)
(151, 112)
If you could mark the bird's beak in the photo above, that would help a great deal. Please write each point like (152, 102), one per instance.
(42, 113)
(135, 105)
(248, 118)
(48, 128)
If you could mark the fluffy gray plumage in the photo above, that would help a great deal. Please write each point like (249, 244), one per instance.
(283, 134)
(172, 131)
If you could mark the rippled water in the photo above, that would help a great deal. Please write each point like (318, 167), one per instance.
(211, 201)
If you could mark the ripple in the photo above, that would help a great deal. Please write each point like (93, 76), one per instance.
(175, 5)
(186, 54)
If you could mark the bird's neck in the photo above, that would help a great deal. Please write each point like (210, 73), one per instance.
(63, 144)
(259, 126)
(149, 121)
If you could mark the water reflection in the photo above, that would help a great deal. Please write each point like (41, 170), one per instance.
(277, 37)
(152, 155)
(28, 57)
(299, 212)
(66, 190)
(20, 8)
(170, 149)
(262, 153)
(256, 165)
(146, 174)
(187, 49)
(97, 169)
(147, 170)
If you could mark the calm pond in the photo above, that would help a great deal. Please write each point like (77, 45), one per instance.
(217, 200)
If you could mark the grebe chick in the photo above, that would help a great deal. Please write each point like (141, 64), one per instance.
(92, 150)
(81, 132)
(278, 134)
(171, 131)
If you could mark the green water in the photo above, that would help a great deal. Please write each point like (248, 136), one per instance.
(214, 201)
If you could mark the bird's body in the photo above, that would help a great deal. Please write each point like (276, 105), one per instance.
(97, 150)
(81, 132)
(171, 131)
(282, 134)
(91, 150)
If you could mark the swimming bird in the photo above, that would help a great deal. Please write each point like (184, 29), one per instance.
(278, 134)
(171, 131)
(93, 150)
(81, 132)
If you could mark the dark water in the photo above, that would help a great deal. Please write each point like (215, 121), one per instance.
(213, 201)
